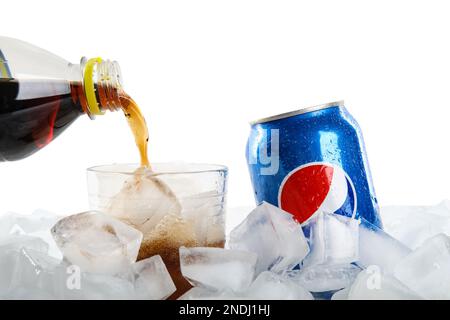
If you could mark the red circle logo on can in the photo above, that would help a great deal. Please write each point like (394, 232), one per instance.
(317, 187)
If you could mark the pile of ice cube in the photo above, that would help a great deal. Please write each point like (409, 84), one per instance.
(85, 256)
(332, 257)
(269, 256)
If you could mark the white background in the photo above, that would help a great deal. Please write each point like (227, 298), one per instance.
(201, 70)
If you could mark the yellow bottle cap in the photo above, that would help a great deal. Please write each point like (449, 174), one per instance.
(89, 88)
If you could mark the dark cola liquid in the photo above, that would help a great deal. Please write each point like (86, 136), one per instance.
(33, 113)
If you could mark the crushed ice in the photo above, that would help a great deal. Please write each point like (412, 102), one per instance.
(269, 256)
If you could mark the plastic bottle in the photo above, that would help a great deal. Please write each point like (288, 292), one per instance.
(41, 94)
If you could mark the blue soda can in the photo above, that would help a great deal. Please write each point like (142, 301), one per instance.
(312, 160)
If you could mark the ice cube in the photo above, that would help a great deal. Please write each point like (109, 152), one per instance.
(341, 294)
(70, 283)
(171, 233)
(377, 248)
(143, 201)
(21, 293)
(426, 270)
(323, 278)
(24, 269)
(200, 293)
(441, 209)
(333, 239)
(14, 223)
(412, 225)
(103, 287)
(372, 284)
(17, 242)
(33, 271)
(31, 265)
(151, 279)
(97, 242)
(44, 221)
(271, 286)
(7, 225)
(217, 268)
(273, 235)
(37, 225)
(8, 262)
(205, 212)
(39, 220)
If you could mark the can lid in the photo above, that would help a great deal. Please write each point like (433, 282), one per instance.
(300, 111)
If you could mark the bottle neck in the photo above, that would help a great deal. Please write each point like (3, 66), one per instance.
(102, 86)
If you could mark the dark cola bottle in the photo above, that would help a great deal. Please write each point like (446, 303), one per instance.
(41, 94)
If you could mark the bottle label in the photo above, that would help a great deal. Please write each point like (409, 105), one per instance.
(4, 68)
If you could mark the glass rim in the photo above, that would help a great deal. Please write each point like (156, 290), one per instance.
(209, 167)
